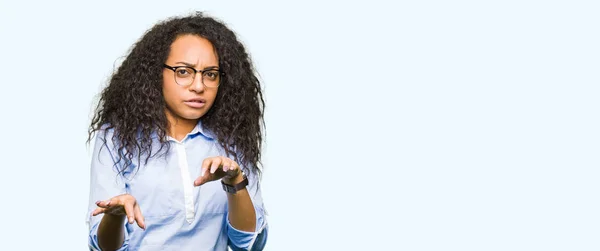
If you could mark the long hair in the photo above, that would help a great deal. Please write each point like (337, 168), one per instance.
(133, 106)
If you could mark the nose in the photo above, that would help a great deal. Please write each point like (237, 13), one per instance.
(197, 85)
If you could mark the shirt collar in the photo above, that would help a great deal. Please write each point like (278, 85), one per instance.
(198, 130)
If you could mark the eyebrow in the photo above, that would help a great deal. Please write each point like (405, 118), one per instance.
(194, 66)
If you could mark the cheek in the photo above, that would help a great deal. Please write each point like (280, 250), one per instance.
(211, 96)
(169, 93)
(167, 82)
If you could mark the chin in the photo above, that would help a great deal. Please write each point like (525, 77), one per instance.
(194, 115)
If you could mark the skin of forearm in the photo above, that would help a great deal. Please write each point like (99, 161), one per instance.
(241, 210)
(111, 232)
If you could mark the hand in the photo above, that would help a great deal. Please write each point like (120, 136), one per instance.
(122, 205)
(220, 168)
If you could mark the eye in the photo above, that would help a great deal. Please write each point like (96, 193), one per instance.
(183, 72)
(211, 75)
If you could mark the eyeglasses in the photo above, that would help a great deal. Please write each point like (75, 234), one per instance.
(184, 75)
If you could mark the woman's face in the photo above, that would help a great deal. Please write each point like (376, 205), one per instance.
(186, 96)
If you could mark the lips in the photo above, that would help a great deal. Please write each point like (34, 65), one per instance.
(197, 100)
(195, 103)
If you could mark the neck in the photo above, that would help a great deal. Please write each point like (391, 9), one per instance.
(179, 127)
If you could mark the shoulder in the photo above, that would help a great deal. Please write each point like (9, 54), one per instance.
(104, 135)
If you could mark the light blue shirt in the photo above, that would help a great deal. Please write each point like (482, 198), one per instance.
(178, 215)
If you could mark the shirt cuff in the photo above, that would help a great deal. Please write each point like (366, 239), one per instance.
(243, 240)
(93, 239)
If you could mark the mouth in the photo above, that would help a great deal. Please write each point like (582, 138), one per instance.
(197, 100)
(195, 103)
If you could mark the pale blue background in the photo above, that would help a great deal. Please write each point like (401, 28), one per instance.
(417, 125)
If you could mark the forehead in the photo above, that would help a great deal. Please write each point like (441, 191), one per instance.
(192, 49)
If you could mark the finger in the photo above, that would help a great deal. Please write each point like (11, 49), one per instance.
(215, 165)
(228, 165)
(231, 172)
(129, 211)
(205, 165)
(235, 169)
(200, 180)
(98, 211)
(139, 218)
(104, 204)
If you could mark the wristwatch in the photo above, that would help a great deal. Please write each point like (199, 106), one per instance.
(239, 186)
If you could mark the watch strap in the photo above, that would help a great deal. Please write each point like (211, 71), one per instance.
(239, 186)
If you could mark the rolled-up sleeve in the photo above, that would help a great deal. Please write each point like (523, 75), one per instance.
(105, 183)
(242, 240)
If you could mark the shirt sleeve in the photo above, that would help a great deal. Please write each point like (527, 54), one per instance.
(105, 183)
(242, 240)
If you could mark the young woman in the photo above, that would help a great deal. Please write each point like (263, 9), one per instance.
(178, 144)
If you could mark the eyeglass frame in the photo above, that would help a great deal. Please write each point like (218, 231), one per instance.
(174, 69)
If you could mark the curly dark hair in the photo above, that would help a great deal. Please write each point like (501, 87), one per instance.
(133, 106)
